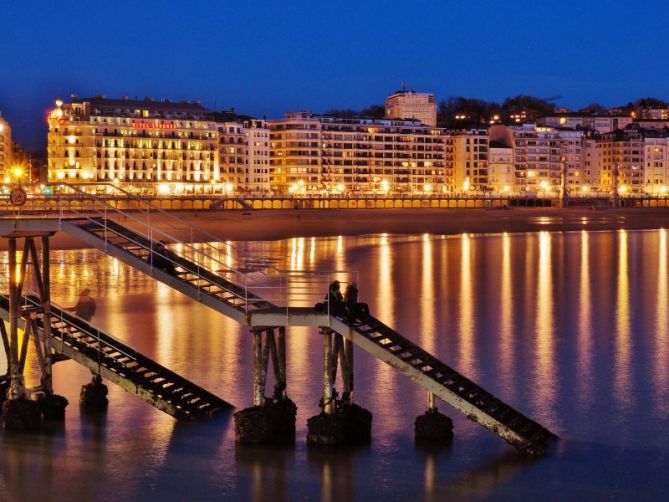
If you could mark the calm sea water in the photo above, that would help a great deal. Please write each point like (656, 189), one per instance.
(570, 328)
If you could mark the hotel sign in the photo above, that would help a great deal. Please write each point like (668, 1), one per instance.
(151, 124)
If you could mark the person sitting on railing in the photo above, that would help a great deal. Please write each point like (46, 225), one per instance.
(158, 258)
(85, 307)
(354, 309)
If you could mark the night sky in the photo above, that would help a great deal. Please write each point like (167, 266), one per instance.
(267, 57)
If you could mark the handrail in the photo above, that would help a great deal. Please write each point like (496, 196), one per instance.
(170, 216)
(216, 255)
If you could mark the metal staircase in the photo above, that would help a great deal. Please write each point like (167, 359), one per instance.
(121, 364)
(456, 390)
(183, 273)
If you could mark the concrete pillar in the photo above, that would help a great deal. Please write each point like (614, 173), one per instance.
(328, 401)
(258, 370)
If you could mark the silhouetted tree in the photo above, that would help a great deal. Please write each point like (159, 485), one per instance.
(458, 112)
(594, 109)
(532, 106)
(373, 112)
(650, 103)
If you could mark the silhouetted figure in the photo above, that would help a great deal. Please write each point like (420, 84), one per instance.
(334, 301)
(354, 309)
(85, 307)
(158, 258)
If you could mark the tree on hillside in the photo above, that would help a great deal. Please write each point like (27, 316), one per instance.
(372, 112)
(650, 103)
(532, 107)
(594, 109)
(458, 112)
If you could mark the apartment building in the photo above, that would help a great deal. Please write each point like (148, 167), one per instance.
(600, 123)
(129, 140)
(6, 148)
(501, 169)
(258, 155)
(312, 154)
(622, 151)
(541, 154)
(467, 161)
(592, 174)
(405, 104)
(654, 113)
(656, 162)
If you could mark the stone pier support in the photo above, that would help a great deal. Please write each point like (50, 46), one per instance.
(270, 419)
(341, 421)
(432, 427)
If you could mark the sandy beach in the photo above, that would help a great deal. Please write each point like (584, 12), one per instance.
(279, 224)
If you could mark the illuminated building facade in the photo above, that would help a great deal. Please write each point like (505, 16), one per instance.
(541, 154)
(501, 169)
(467, 161)
(135, 141)
(600, 123)
(654, 114)
(327, 154)
(623, 151)
(6, 148)
(656, 164)
(244, 155)
(405, 104)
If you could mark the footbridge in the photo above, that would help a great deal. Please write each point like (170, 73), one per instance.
(202, 268)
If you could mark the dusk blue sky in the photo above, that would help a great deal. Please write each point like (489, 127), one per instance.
(265, 58)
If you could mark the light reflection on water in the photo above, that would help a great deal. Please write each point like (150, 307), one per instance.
(571, 328)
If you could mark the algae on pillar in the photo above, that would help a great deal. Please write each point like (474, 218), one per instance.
(341, 421)
(269, 420)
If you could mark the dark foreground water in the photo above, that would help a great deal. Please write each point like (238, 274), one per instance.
(572, 329)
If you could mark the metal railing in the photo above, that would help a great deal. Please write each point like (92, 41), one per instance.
(206, 251)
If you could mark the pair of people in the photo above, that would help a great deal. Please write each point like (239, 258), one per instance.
(346, 305)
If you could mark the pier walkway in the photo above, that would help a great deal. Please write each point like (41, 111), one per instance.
(197, 281)
(221, 277)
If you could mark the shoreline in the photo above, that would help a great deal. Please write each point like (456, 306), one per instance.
(260, 225)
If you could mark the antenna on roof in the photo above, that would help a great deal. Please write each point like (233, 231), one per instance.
(404, 86)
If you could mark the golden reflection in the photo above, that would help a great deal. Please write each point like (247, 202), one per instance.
(297, 253)
(340, 256)
(312, 250)
(660, 375)
(467, 319)
(384, 380)
(385, 302)
(430, 476)
(428, 303)
(622, 373)
(584, 353)
(545, 350)
(506, 318)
